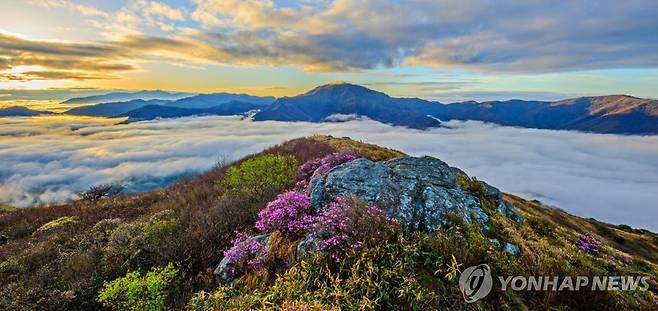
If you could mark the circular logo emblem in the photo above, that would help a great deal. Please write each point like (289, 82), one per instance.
(475, 282)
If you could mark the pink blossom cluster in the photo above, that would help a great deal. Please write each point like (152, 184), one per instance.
(288, 213)
(303, 308)
(322, 165)
(245, 247)
(588, 243)
(336, 230)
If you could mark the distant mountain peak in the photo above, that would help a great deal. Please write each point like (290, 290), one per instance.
(340, 99)
(338, 82)
(341, 88)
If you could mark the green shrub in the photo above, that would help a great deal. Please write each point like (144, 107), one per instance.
(160, 225)
(137, 292)
(255, 175)
(542, 226)
(143, 243)
(57, 223)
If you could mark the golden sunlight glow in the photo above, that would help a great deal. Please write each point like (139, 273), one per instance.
(23, 69)
(27, 85)
(16, 73)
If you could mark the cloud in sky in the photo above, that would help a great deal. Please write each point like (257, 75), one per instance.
(341, 35)
(609, 177)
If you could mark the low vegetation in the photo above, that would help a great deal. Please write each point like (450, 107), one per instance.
(254, 176)
(138, 292)
(6, 208)
(158, 250)
(57, 223)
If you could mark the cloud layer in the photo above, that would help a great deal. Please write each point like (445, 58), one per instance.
(609, 177)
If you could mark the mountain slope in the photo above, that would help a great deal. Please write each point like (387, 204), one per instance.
(618, 114)
(347, 99)
(212, 100)
(173, 108)
(127, 96)
(62, 257)
(151, 112)
(20, 111)
(114, 108)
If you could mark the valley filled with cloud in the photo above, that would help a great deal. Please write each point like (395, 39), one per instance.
(49, 159)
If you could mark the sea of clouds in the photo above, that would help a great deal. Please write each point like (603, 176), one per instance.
(46, 160)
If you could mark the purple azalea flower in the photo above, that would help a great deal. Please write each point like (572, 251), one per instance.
(588, 243)
(288, 213)
(322, 166)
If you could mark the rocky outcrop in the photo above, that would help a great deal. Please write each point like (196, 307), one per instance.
(496, 196)
(419, 192)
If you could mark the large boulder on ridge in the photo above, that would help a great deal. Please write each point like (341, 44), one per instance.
(418, 192)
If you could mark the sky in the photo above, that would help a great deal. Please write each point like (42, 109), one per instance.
(609, 177)
(433, 49)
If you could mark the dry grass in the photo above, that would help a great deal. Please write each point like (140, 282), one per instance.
(373, 152)
(640, 244)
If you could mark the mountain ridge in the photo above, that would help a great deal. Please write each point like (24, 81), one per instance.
(112, 109)
(618, 114)
(614, 114)
(196, 104)
(21, 111)
(151, 112)
(127, 96)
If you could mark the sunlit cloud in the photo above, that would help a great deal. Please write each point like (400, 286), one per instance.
(84, 10)
(28, 61)
(342, 35)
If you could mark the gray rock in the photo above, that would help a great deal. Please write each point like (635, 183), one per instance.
(306, 247)
(458, 172)
(491, 192)
(503, 208)
(509, 211)
(426, 169)
(361, 177)
(418, 192)
(227, 268)
(506, 247)
(511, 249)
